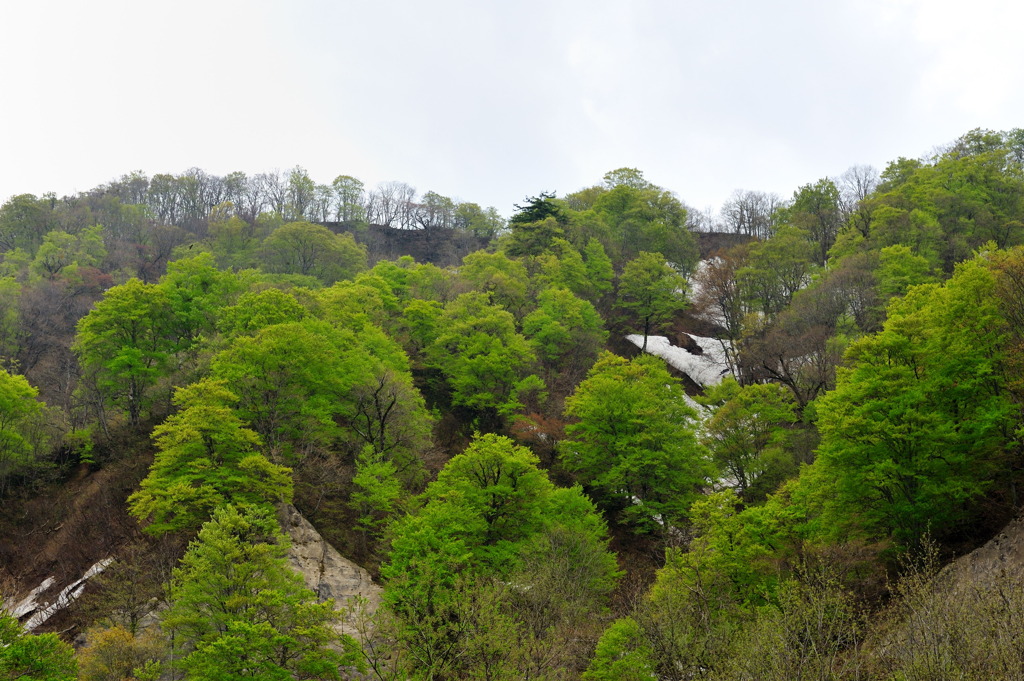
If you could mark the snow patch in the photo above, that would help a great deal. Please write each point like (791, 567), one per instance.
(42, 612)
(708, 368)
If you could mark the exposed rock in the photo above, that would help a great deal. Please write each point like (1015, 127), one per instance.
(327, 572)
(1000, 559)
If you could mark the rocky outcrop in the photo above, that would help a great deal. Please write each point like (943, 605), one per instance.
(327, 572)
(1001, 559)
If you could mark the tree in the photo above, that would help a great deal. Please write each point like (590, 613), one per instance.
(299, 383)
(114, 654)
(816, 209)
(634, 441)
(42, 657)
(504, 280)
(920, 419)
(23, 437)
(124, 345)
(651, 291)
(647, 219)
(626, 177)
(312, 250)
(566, 334)
(491, 512)
(746, 436)
(350, 194)
(776, 269)
(752, 213)
(238, 611)
(481, 355)
(206, 458)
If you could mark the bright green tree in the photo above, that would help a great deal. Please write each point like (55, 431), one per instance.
(651, 292)
(747, 435)
(42, 657)
(313, 250)
(566, 333)
(206, 458)
(237, 611)
(481, 355)
(124, 345)
(489, 514)
(920, 421)
(23, 437)
(633, 442)
(302, 385)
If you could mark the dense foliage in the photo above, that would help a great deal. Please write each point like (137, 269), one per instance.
(470, 425)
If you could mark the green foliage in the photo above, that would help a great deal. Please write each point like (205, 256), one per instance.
(258, 309)
(919, 421)
(815, 209)
(634, 441)
(810, 633)
(376, 494)
(776, 269)
(238, 611)
(42, 657)
(504, 280)
(298, 383)
(206, 458)
(622, 654)
(646, 218)
(490, 513)
(480, 354)
(899, 269)
(124, 345)
(197, 292)
(747, 436)
(60, 251)
(312, 250)
(566, 333)
(23, 439)
(651, 292)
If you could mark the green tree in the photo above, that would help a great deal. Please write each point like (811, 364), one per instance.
(503, 279)
(646, 219)
(566, 334)
(256, 310)
(747, 436)
(651, 292)
(206, 458)
(481, 355)
(237, 611)
(42, 657)
(300, 384)
(351, 209)
(816, 209)
(23, 437)
(124, 345)
(776, 269)
(633, 442)
(61, 250)
(491, 511)
(312, 250)
(920, 419)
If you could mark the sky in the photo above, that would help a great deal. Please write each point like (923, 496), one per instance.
(490, 101)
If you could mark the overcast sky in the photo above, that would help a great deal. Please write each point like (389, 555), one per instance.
(491, 101)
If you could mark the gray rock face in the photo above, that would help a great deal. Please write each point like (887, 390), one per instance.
(327, 572)
(999, 560)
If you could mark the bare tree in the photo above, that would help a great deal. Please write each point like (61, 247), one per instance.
(751, 213)
(855, 186)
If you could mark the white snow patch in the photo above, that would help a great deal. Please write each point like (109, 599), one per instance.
(41, 613)
(705, 369)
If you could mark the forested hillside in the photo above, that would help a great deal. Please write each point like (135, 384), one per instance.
(450, 398)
